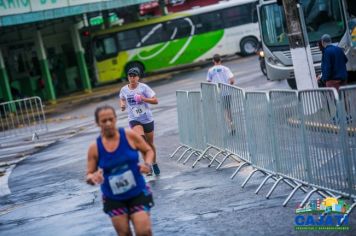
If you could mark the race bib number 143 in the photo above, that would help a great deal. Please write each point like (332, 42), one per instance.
(122, 183)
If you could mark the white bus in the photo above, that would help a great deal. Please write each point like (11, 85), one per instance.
(321, 17)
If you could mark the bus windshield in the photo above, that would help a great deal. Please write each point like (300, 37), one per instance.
(321, 17)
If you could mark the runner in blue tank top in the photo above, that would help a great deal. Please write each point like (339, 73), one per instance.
(113, 162)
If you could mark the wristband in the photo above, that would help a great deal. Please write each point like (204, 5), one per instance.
(148, 165)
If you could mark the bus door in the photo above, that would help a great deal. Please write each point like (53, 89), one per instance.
(106, 59)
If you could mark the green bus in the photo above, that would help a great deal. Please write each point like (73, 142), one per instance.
(179, 39)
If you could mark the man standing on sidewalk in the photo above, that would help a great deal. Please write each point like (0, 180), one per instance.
(333, 64)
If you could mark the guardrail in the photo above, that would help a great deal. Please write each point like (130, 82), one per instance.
(22, 117)
(305, 139)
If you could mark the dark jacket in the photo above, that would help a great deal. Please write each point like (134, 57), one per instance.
(333, 64)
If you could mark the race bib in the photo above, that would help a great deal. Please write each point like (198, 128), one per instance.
(139, 110)
(122, 183)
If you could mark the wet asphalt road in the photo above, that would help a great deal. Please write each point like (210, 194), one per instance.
(49, 196)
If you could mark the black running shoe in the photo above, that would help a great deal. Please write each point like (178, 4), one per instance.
(155, 168)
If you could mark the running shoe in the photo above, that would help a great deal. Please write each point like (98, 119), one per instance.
(155, 168)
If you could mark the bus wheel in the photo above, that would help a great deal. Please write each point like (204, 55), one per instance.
(137, 65)
(248, 46)
(292, 83)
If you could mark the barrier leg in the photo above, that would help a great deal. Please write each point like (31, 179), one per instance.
(333, 195)
(322, 194)
(214, 158)
(347, 213)
(291, 194)
(35, 136)
(190, 155)
(273, 187)
(308, 196)
(223, 160)
(181, 156)
(248, 177)
(238, 169)
(294, 185)
(174, 153)
(263, 182)
(201, 156)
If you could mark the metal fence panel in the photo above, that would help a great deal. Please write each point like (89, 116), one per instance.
(22, 117)
(234, 121)
(212, 114)
(348, 118)
(288, 134)
(183, 116)
(196, 126)
(260, 135)
(319, 110)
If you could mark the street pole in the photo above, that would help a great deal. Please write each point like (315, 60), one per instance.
(163, 7)
(304, 71)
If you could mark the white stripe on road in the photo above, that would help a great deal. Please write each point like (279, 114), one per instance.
(4, 186)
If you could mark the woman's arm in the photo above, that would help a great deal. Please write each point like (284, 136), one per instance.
(122, 104)
(152, 100)
(94, 175)
(137, 142)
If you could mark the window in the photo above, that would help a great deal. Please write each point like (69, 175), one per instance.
(152, 34)
(105, 47)
(128, 39)
(238, 15)
(209, 22)
(178, 28)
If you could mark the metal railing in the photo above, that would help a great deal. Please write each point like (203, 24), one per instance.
(22, 117)
(305, 139)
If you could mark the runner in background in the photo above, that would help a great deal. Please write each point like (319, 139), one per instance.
(113, 162)
(222, 74)
(136, 97)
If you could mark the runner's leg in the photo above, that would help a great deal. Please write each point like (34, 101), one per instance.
(138, 129)
(142, 223)
(149, 139)
(121, 225)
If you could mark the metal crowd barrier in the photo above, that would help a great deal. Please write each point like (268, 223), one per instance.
(191, 127)
(235, 125)
(22, 117)
(183, 118)
(305, 139)
(212, 120)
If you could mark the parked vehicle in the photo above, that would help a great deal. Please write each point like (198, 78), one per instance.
(261, 58)
(176, 40)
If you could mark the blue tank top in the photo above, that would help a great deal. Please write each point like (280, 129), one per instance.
(122, 176)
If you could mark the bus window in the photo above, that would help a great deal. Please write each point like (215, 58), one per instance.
(209, 22)
(322, 17)
(128, 39)
(274, 31)
(152, 34)
(238, 15)
(178, 28)
(105, 47)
